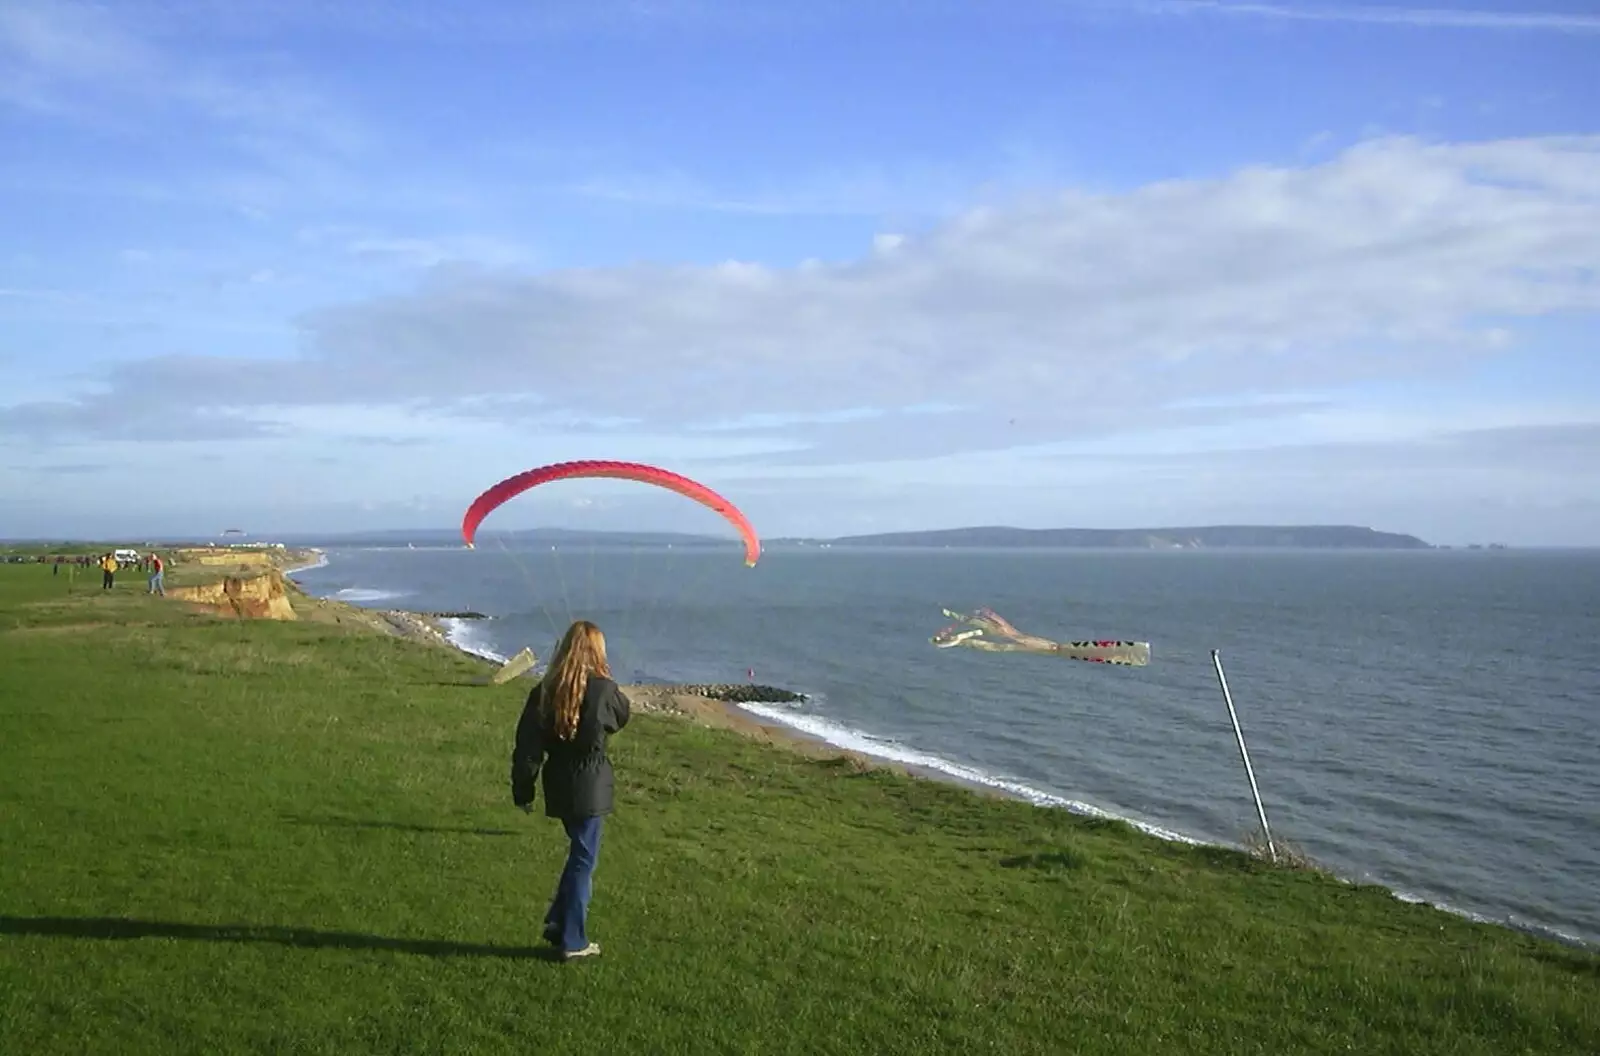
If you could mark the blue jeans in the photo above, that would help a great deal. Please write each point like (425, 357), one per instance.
(158, 584)
(569, 909)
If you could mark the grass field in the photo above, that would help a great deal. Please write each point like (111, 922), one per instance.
(183, 568)
(223, 836)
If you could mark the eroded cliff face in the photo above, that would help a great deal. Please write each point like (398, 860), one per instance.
(260, 597)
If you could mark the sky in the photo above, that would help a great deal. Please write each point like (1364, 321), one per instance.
(869, 266)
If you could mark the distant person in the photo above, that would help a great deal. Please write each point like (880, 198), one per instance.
(563, 731)
(108, 569)
(158, 568)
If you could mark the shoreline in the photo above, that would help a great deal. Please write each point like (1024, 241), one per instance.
(682, 701)
(716, 708)
(707, 705)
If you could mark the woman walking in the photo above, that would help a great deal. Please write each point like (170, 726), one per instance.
(562, 732)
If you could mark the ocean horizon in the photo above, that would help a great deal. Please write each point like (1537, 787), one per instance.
(1418, 719)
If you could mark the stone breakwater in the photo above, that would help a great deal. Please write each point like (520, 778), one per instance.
(413, 625)
(740, 693)
(420, 626)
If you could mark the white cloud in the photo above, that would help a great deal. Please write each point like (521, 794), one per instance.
(1056, 316)
(1074, 303)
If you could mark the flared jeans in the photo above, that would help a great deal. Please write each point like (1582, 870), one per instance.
(569, 909)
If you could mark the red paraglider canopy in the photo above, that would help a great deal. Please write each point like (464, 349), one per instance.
(485, 504)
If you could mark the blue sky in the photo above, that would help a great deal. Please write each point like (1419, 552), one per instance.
(858, 266)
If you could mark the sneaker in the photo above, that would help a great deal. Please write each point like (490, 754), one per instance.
(590, 950)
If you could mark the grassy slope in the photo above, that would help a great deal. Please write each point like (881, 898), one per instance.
(297, 837)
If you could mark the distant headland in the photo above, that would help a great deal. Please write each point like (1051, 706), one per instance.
(1208, 537)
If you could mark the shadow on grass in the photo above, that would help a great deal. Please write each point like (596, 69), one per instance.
(398, 826)
(305, 938)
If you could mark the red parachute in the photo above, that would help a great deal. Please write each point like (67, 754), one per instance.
(486, 503)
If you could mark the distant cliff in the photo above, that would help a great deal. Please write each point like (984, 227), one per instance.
(1214, 537)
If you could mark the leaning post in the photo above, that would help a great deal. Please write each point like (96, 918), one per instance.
(1244, 753)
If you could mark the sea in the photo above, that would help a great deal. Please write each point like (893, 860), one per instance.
(1424, 720)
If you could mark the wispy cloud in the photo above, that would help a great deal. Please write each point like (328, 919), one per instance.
(1371, 14)
(18, 294)
(416, 251)
(485, 251)
(99, 67)
(51, 469)
(910, 190)
(470, 20)
(106, 415)
(1556, 449)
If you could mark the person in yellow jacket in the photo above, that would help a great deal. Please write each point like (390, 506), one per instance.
(108, 565)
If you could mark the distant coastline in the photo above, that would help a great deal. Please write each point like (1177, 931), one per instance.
(1206, 537)
(1209, 537)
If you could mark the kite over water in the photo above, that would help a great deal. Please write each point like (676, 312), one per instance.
(511, 487)
(987, 630)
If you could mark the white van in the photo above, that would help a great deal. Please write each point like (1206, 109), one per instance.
(126, 557)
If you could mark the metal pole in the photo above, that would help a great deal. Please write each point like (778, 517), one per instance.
(1244, 753)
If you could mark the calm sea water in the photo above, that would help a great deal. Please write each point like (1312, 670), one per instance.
(1423, 720)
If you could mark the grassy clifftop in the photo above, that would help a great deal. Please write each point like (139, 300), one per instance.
(244, 836)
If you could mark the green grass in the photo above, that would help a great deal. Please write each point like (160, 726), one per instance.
(35, 548)
(292, 837)
(180, 570)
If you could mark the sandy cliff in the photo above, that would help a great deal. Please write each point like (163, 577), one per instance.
(257, 597)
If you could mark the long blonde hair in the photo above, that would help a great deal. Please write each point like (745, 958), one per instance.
(582, 653)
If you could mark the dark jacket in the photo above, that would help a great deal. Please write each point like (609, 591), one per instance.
(577, 775)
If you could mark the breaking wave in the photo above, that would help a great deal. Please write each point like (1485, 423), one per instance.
(470, 637)
(854, 740)
(363, 595)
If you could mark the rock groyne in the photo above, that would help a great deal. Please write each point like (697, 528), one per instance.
(740, 693)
